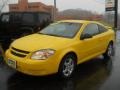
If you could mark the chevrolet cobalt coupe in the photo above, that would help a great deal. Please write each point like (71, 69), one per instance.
(59, 47)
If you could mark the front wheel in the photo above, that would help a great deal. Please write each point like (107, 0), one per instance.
(67, 66)
(109, 52)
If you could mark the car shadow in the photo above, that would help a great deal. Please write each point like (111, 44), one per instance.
(88, 76)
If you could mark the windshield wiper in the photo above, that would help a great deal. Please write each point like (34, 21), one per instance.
(43, 33)
(50, 34)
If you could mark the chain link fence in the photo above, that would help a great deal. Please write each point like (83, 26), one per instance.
(118, 37)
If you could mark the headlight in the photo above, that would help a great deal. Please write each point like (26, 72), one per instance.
(42, 54)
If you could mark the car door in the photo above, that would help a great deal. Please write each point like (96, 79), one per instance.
(103, 38)
(89, 46)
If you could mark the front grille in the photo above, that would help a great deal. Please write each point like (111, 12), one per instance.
(18, 52)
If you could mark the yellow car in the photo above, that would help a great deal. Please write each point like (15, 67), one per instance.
(59, 47)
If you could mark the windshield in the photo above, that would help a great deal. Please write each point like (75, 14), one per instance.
(63, 29)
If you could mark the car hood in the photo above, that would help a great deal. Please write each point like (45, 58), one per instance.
(37, 42)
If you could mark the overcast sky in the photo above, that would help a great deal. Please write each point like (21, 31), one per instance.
(93, 5)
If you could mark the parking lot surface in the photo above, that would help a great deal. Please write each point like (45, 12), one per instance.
(98, 74)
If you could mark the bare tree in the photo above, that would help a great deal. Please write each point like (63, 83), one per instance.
(3, 4)
(78, 14)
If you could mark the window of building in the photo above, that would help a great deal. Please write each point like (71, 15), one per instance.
(33, 7)
(14, 7)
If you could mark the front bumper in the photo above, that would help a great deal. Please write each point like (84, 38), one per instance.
(33, 67)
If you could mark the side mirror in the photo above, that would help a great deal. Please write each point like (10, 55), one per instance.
(85, 36)
(109, 27)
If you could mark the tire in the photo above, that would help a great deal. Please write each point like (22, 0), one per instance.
(67, 66)
(109, 52)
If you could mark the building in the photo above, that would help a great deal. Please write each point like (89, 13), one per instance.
(24, 5)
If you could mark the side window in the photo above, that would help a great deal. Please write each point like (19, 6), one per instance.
(5, 18)
(28, 18)
(17, 17)
(101, 29)
(91, 29)
(41, 18)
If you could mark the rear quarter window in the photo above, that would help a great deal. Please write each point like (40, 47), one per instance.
(91, 29)
(102, 29)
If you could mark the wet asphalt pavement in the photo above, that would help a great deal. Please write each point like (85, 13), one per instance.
(98, 74)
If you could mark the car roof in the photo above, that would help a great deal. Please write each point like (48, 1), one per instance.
(79, 21)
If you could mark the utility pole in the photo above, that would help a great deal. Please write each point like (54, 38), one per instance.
(54, 15)
(116, 15)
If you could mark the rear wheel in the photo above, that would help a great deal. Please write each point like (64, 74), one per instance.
(109, 52)
(67, 66)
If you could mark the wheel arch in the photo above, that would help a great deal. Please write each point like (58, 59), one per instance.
(63, 58)
(111, 42)
(72, 53)
(66, 53)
